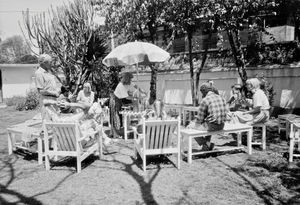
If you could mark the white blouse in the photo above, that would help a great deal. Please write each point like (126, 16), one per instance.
(122, 90)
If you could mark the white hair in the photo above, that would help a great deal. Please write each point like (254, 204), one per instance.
(43, 58)
(254, 82)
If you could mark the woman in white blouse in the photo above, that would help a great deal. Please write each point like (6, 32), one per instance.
(260, 107)
(122, 95)
(86, 96)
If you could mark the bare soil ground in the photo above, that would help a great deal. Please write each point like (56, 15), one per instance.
(227, 178)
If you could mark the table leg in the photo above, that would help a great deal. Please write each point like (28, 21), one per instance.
(183, 118)
(40, 150)
(239, 139)
(287, 129)
(125, 126)
(249, 141)
(190, 150)
(10, 141)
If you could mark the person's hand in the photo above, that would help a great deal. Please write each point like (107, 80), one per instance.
(64, 104)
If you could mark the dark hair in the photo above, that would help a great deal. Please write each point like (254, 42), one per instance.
(64, 89)
(126, 78)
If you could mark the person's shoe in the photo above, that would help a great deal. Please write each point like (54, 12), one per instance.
(211, 146)
(206, 147)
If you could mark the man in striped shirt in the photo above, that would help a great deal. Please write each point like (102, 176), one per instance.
(211, 115)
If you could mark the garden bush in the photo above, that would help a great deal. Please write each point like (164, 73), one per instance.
(29, 102)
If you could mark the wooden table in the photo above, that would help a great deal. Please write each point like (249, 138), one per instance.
(126, 121)
(286, 120)
(229, 128)
(32, 127)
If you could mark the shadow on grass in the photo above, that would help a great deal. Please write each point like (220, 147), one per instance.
(8, 163)
(154, 164)
(8, 166)
(268, 192)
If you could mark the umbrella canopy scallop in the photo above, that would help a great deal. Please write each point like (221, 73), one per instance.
(135, 53)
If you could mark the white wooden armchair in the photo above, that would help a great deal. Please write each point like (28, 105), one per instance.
(158, 137)
(67, 141)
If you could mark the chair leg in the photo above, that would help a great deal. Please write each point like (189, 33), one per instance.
(135, 151)
(40, 150)
(178, 159)
(190, 150)
(291, 151)
(47, 162)
(54, 143)
(100, 144)
(144, 162)
(78, 164)
(10, 143)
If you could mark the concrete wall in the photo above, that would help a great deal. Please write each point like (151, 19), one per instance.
(17, 79)
(174, 87)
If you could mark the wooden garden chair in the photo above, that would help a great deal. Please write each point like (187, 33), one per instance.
(67, 141)
(158, 137)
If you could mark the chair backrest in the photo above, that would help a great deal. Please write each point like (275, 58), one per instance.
(65, 134)
(158, 133)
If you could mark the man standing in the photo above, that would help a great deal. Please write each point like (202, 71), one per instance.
(45, 83)
(211, 115)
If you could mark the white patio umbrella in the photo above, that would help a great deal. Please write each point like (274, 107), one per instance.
(135, 53)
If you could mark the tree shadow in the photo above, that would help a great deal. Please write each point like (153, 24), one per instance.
(8, 163)
(265, 193)
(144, 185)
(9, 167)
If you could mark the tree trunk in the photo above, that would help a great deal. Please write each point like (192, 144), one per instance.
(153, 83)
(199, 71)
(191, 67)
(238, 54)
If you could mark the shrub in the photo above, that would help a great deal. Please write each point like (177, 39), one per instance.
(13, 101)
(30, 102)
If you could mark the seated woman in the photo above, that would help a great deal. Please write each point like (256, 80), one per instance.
(86, 96)
(260, 108)
(89, 121)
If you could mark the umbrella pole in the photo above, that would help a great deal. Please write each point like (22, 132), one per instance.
(138, 90)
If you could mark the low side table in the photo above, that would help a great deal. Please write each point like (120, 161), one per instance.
(286, 120)
(34, 129)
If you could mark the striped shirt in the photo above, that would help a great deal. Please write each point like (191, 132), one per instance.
(212, 109)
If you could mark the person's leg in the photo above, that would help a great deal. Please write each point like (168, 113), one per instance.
(203, 141)
(262, 117)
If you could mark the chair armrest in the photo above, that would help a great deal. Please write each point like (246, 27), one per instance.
(136, 133)
(89, 135)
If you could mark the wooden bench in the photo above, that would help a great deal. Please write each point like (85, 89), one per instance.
(229, 128)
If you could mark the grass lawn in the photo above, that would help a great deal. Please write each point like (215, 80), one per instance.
(228, 178)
